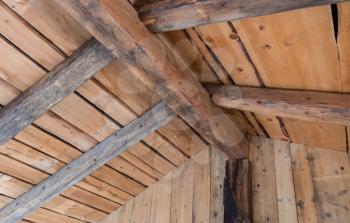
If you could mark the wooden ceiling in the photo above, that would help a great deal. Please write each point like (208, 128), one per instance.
(305, 49)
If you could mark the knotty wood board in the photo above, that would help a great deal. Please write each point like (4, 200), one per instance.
(301, 183)
(297, 50)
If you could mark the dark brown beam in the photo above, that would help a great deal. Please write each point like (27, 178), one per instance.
(88, 162)
(56, 85)
(116, 25)
(296, 104)
(167, 15)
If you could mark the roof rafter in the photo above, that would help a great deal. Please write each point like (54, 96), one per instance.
(117, 26)
(168, 15)
(86, 163)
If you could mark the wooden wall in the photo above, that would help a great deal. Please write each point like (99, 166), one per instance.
(295, 183)
(192, 193)
(291, 183)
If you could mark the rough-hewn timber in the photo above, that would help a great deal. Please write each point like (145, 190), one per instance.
(167, 15)
(85, 164)
(303, 105)
(57, 84)
(117, 26)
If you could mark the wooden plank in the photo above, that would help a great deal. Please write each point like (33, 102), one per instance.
(86, 163)
(182, 191)
(60, 82)
(122, 215)
(285, 186)
(343, 43)
(217, 178)
(303, 185)
(330, 174)
(161, 16)
(161, 200)
(281, 61)
(201, 187)
(142, 207)
(303, 105)
(185, 94)
(265, 208)
(121, 83)
(231, 56)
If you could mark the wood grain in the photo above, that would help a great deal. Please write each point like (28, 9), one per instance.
(59, 83)
(302, 105)
(152, 63)
(86, 163)
(161, 16)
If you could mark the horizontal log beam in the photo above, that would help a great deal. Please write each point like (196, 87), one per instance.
(303, 105)
(88, 162)
(57, 84)
(168, 15)
(116, 25)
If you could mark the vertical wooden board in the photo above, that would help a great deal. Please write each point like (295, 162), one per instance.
(284, 180)
(315, 134)
(142, 207)
(161, 200)
(182, 194)
(343, 43)
(52, 21)
(201, 187)
(265, 207)
(303, 185)
(122, 215)
(217, 179)
(296, 50)
(330, 172)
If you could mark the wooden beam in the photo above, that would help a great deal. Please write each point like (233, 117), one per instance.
(85, 164)
(116, 25)
(167, 15)
(303, 105)
(57, 84)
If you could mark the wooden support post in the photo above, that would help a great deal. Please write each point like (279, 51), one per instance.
(57, 84)
(117, 26)
(85, 164)
(304, 105)
(167, 15)
(237, 192)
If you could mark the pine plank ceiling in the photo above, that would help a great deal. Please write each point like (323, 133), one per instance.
(303, 49)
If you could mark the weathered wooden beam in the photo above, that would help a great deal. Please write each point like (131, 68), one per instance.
(116, 25)
(296, 104)
(57, 84)
(167, 15)
(85, 164)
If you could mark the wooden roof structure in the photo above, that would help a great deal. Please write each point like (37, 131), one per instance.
(102, 98)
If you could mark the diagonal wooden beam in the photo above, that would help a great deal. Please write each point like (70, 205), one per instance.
(116, 25)
(304, 105)
(57, 84)
(167, 15)
(85, 164)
